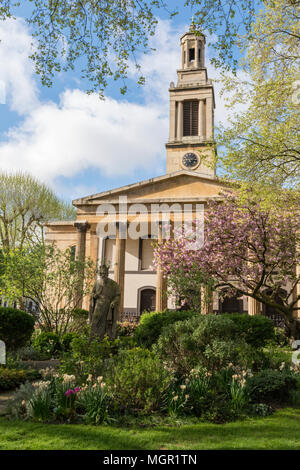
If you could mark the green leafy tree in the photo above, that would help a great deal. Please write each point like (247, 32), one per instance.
(50, 277)
(105, 36)
(262, 142)
(25, 205)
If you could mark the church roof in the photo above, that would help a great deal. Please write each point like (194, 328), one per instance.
(147, 187)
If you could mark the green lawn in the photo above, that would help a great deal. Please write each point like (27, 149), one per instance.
(279, 431)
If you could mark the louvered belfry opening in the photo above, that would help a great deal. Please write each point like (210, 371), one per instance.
(190, 117)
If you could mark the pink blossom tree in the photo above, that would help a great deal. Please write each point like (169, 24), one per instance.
(248, 250)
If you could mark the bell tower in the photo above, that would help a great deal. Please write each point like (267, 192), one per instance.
(191, 139)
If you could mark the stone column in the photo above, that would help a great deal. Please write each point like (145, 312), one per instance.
(253, 306)
(197, 53)
(94, 247)
(81, 239)
(182, 56)
(179, 120)
(161, 282)
(80, 252)
(187, 59)
(172, 125)
(119, 265)
(201, 119)
(209, 118)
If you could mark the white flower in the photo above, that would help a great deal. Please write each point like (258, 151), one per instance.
(68, 378)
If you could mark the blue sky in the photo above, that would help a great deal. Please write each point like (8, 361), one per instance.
(76, 143)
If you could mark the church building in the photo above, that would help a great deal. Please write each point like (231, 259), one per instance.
(190, 181)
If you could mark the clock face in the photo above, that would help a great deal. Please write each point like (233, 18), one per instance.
(189, 160)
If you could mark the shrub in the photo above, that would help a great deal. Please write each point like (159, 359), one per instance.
(12, 378)
(139, 380)
(48, 343)
(271, 386)
(276, 357)
(126, 329)
(151, 325)
(67, 340)
(87, 357)
(281, 338)
(261, 409)
(16, 327)
(209, 341)
(29, 353)
(257, 330)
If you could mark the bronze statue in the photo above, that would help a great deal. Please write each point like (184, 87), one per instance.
(104, 306)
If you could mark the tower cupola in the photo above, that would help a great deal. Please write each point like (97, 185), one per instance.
(191, 138)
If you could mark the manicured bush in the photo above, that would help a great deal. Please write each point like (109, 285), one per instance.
(209, 341)
(16, 327)
(13, 378)
(48, 343)
(270, 386)
(257, 330)
(151, 325)
(139, 380)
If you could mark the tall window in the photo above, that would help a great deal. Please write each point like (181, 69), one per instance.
(190, 118)
(191, 54)
(146, 253)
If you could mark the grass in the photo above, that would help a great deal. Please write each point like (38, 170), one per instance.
(278, 431)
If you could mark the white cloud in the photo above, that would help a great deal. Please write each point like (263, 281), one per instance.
(16, 72)
(80, 132)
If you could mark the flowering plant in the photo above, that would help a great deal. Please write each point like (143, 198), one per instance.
(248, 250)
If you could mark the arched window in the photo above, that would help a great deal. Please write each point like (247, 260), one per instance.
(146, 299)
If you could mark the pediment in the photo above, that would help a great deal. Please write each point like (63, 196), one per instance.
(181, 185)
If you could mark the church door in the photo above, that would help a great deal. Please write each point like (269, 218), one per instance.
(147, 300)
